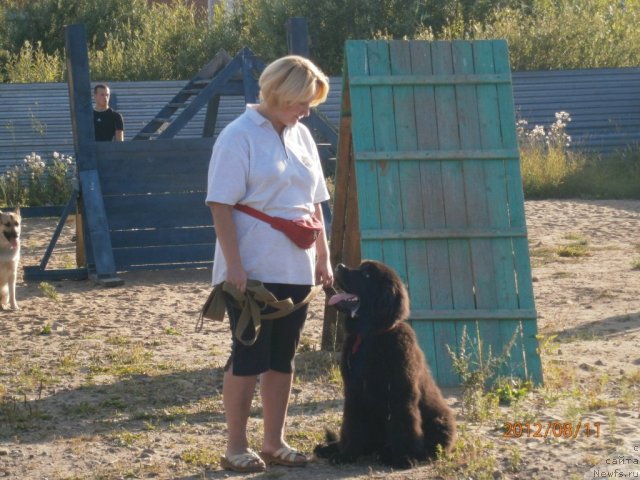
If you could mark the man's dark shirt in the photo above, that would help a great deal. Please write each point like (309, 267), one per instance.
(106, 123)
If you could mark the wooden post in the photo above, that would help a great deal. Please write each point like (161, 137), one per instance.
(298, 36)
(79, 83)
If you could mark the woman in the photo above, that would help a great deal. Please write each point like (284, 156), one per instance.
(266, 159)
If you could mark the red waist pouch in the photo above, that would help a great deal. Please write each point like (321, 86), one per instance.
(301, 231)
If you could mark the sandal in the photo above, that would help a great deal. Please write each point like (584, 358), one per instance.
(286, 456)
(247, 462)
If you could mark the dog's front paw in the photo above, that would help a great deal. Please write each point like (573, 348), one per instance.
(342, 458)
(15, 307)
(404, 462)
(326, 450)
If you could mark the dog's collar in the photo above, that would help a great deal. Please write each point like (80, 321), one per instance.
(356, 344)
(358, 341)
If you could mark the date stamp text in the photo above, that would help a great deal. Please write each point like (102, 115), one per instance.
(552, 429)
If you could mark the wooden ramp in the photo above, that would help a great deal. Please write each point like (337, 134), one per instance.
(428, 141)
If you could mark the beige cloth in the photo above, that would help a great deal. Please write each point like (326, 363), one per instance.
(251, 303)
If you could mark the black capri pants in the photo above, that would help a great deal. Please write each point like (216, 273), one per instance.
(278, 339)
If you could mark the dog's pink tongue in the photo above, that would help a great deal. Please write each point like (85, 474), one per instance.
(339, 297)
(14, 243)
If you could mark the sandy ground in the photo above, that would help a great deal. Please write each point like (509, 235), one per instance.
(102, 383)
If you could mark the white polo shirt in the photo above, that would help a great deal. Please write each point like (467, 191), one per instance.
(252, 165)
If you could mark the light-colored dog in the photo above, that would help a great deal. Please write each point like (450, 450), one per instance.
(9, 257)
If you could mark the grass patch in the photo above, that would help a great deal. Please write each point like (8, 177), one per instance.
(558, 173)
(49, 291)
(472, 456)
(45, 330)
(542, 256)
(126, 360)
(172, 331)
(574, 250)
(202, 457)
(478, 367)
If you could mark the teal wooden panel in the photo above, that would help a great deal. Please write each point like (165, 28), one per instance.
(424, 256)
(433, 201)
(437, 174)
(492, 269)
(448, 125)
(475, 201)
(517, 218)
(384, 101)
(363, 138)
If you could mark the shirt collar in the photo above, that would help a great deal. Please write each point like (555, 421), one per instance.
(260, 120)
(254, 115)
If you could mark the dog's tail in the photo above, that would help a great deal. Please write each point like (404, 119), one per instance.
(330, 447)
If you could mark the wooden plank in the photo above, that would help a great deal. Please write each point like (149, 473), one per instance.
(363, 139)
(441, 79)
(221, 59)
(162, 237)
(84, 143)
(414, 256)
(126, 258)
(157, 211)
(528, 343)
(97, 225)
(474, 199)
(154, 167)
(473, 314)
(71, 205)
(384, 100)
(448, 122)
(493, 332)
(460, 154)
(434, 271)
(203, 97)
(36, 274)
(444, 233)
(252, 66)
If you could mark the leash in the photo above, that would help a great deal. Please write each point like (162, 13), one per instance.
(251, 304)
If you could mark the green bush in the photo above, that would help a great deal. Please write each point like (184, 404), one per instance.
(568, 35)
(34, 65)
(132, 40)
(552, 170)
(37, 181)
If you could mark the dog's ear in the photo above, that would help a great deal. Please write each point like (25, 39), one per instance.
(17, 210)
(393, 303)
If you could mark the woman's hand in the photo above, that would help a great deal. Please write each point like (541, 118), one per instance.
(237, 277)
(324, 272)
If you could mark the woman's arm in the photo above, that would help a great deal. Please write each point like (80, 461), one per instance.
(227, 237)
(324, 273)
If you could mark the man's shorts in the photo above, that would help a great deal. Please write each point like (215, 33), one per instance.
(278, 339)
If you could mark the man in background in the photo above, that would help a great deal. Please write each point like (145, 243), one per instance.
(107, 123)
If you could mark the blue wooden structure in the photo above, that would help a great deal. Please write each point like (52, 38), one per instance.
(141, 203)
(428, 182)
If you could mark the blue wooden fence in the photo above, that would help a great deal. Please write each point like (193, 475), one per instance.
(604, 105)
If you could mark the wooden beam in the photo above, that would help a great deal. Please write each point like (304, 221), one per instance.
(79, 83)
(404, 80)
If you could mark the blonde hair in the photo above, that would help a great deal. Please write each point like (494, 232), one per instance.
(293, 79)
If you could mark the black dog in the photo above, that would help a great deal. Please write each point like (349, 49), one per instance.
(392, 407)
